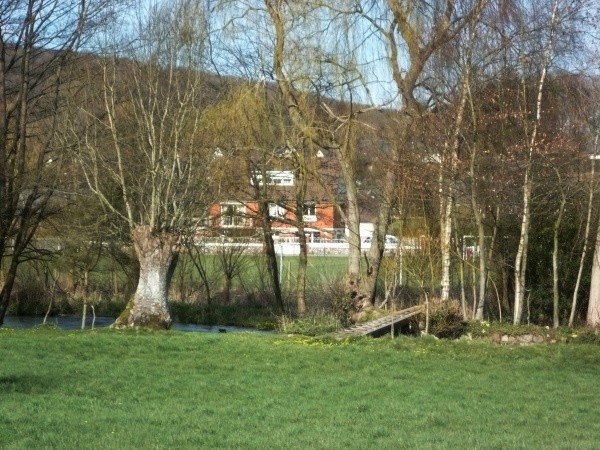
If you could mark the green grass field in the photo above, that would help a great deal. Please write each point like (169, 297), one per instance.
(320, 269)
(119, 390)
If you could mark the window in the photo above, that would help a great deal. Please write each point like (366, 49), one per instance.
(309, 213)
(276, 211)
(232, 214)
(276, 177)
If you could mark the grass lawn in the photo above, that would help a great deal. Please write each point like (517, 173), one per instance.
(108, 389)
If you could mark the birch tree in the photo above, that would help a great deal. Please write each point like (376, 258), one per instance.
(413, 34)
(588, 222)
(539, 53)
(593, 310)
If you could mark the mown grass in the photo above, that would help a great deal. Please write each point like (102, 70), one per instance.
(108, 389)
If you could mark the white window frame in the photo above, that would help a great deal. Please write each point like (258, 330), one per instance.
(308, 208)
(276, 211)
(232, 218)
(276, 178)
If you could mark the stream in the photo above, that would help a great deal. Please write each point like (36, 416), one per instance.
(74, 323)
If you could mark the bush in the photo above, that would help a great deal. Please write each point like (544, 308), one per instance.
(586, 336)
(446, 320)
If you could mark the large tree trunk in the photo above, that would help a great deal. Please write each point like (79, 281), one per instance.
(156, 254)
(7, 287)
(355, 295)
(386, 203)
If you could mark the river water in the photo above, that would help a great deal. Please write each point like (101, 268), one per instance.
(74, 323)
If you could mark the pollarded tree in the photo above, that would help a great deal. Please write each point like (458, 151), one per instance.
(38, 41)
(140, 146)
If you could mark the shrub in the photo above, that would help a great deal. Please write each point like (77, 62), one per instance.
(446, 320)
(586, 336)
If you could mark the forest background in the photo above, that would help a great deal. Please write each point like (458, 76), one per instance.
(470, 126)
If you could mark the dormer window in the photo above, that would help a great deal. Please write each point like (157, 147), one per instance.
(276, 178)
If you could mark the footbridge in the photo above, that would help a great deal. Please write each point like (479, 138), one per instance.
(380, 326)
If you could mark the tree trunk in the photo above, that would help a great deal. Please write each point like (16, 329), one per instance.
(7, 287)
(593, 312)
(585, 237)
(478, 216)
(555, 293)
(157, 254)
(354, 290)
(375, 254)
(448, 192)
(387, 202)
(271, 254)
(301, 275)
(521, 258)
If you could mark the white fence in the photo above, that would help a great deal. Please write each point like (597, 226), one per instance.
(291, 246)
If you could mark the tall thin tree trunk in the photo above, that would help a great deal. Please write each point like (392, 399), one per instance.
(445, 239)
(593, 312)
(555, 293)
(301, 274)
(478, 215)
(521, 258)
(586, 236)
(461, 271)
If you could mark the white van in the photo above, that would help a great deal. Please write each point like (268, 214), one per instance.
(391, 242)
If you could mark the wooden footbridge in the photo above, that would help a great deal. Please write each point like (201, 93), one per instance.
(380, 326)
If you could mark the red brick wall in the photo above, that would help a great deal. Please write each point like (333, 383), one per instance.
(326, 214)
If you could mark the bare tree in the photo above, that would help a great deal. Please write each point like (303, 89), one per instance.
(545, 55)
(317, 121)
(588, 221)
(38, 41)
(232, 260)
(413, 34)
(140, 144)
(593, 311)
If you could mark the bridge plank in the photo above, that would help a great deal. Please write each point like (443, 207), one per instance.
(367, 328)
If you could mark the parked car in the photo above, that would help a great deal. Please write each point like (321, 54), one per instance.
(391, 241)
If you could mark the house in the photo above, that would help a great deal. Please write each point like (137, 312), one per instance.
(276, 182)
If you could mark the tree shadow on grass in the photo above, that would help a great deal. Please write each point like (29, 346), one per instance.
(25, 384)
